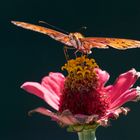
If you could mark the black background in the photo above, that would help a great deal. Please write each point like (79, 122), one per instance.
(28, 56)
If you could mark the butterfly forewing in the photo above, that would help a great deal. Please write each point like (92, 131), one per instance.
(116, 43)
(52, 33)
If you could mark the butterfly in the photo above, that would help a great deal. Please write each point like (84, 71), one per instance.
(81, 43)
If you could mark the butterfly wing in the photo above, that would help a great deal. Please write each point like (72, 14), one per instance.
(117, 43)
(52, 33)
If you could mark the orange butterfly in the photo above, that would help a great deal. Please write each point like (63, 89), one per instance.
(81, 43)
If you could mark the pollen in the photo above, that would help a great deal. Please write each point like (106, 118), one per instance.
(81, 76)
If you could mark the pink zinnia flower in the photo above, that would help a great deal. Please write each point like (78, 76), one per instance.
(81, 98)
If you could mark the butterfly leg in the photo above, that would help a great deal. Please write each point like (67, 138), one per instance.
(66, 52)
(75, 53)
(81, 53)
(66, 48)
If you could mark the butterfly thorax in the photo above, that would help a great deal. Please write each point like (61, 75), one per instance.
(75, 40)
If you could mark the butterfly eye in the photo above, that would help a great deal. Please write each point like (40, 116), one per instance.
(71, 36)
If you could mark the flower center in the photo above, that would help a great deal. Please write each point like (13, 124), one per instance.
(81, 76)
(80, 95)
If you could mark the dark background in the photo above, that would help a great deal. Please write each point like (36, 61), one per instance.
(28, 56)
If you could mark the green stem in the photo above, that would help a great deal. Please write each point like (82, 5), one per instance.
(87, 135)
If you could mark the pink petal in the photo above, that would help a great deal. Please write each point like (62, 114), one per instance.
(55, 83)
(129, 95)
(58, 78)
(103, 122)
(86, 119)
(108, 89)
(123, 110)
(115, 113)
(123, 83)
(66, 118)
(42, 92)
(103, 77)
(49, 90)
(43, 111)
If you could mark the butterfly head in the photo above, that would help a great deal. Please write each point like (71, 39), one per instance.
(75, 36)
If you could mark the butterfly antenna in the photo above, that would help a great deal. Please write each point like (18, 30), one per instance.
(82, 28)
(40, 21)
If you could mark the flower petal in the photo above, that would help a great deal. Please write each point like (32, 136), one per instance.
(66, 118)
(42, 92)
(104, 122)
(114, 114)
(129, 95)
(123, 83)
(55, 83)
(86, 119)
(43, 111)
(103, 77)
